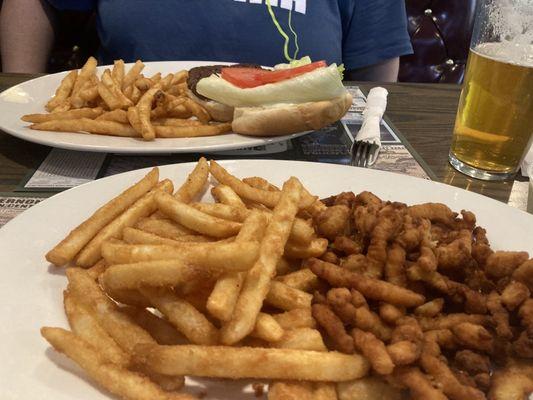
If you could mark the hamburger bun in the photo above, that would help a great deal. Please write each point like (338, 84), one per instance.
(284, 119)
(218, 111)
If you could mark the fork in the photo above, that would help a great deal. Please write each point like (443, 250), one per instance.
(363, 153)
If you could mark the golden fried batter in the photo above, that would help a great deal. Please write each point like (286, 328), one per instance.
(524, 274)
(333, 221)
(375, 350)
(500, 315)
(334, 327)
(473, 336)
(514, 294)
(369, 287)
(503, 263)
(449, 383)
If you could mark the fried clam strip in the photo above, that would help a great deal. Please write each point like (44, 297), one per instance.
(222, 300)
(63, 91)
(67, 249)
(257, 281)
(302, 232)
(374, 350)
(268, 198)
(446, 379)
(334, 327)
(236, 256)
(143, 207)
(126, 384)
(195, 182)
(419, 385)
(513, 382)
(194, 219)
(251, 362)
(371, 288)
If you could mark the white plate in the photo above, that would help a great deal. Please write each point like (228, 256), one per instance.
(31, 96)
(31, 290)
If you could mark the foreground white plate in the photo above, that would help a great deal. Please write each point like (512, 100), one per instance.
(31, 96)
(31, 290)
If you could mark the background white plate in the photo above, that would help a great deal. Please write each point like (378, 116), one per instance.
(31, 290)
(31, 96)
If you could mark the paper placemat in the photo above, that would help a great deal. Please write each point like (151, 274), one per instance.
(65, 169)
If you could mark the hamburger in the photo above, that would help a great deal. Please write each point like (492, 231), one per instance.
(263, 102)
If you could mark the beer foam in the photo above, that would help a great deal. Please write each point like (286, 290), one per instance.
(508, 52)
(511, 22)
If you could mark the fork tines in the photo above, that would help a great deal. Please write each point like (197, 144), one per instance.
(363, 154)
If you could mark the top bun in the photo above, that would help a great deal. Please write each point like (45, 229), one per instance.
(284, 119)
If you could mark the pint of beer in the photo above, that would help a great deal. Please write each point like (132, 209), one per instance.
(494, 124)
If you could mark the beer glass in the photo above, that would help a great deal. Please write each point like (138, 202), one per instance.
(494, 123)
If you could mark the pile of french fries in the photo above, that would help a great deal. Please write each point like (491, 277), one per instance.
(161, 286)
(127, 104)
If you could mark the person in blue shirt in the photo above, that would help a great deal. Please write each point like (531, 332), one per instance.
(367, 36)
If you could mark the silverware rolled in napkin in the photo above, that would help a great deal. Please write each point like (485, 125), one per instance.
(367, 143)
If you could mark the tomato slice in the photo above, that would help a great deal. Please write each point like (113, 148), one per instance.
(250, 77)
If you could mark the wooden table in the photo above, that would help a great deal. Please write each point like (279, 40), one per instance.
(424, 113)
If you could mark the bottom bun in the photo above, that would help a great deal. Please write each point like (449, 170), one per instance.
(218, 111)
(285, 119)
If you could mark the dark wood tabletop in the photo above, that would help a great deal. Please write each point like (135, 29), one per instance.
(423, 113)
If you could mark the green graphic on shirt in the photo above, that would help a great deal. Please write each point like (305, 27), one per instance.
(284, 35)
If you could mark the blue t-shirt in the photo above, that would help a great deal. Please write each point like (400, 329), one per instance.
(357, 33)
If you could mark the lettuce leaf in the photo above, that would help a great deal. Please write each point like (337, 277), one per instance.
(320, 84)
(294, 63)
(341, 70)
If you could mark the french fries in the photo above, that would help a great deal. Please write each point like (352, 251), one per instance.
(242, 362)
(196, 220)
(90, 113)
(257, 281)
(125, 104)
(67, 249)
(143, 207)
(197, 270)
(236, 290)
(116, 379)
(63, 91)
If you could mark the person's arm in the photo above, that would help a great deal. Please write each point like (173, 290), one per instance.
(385, 71)
(26, 35)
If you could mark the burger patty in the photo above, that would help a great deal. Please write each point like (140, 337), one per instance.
(197, 73)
